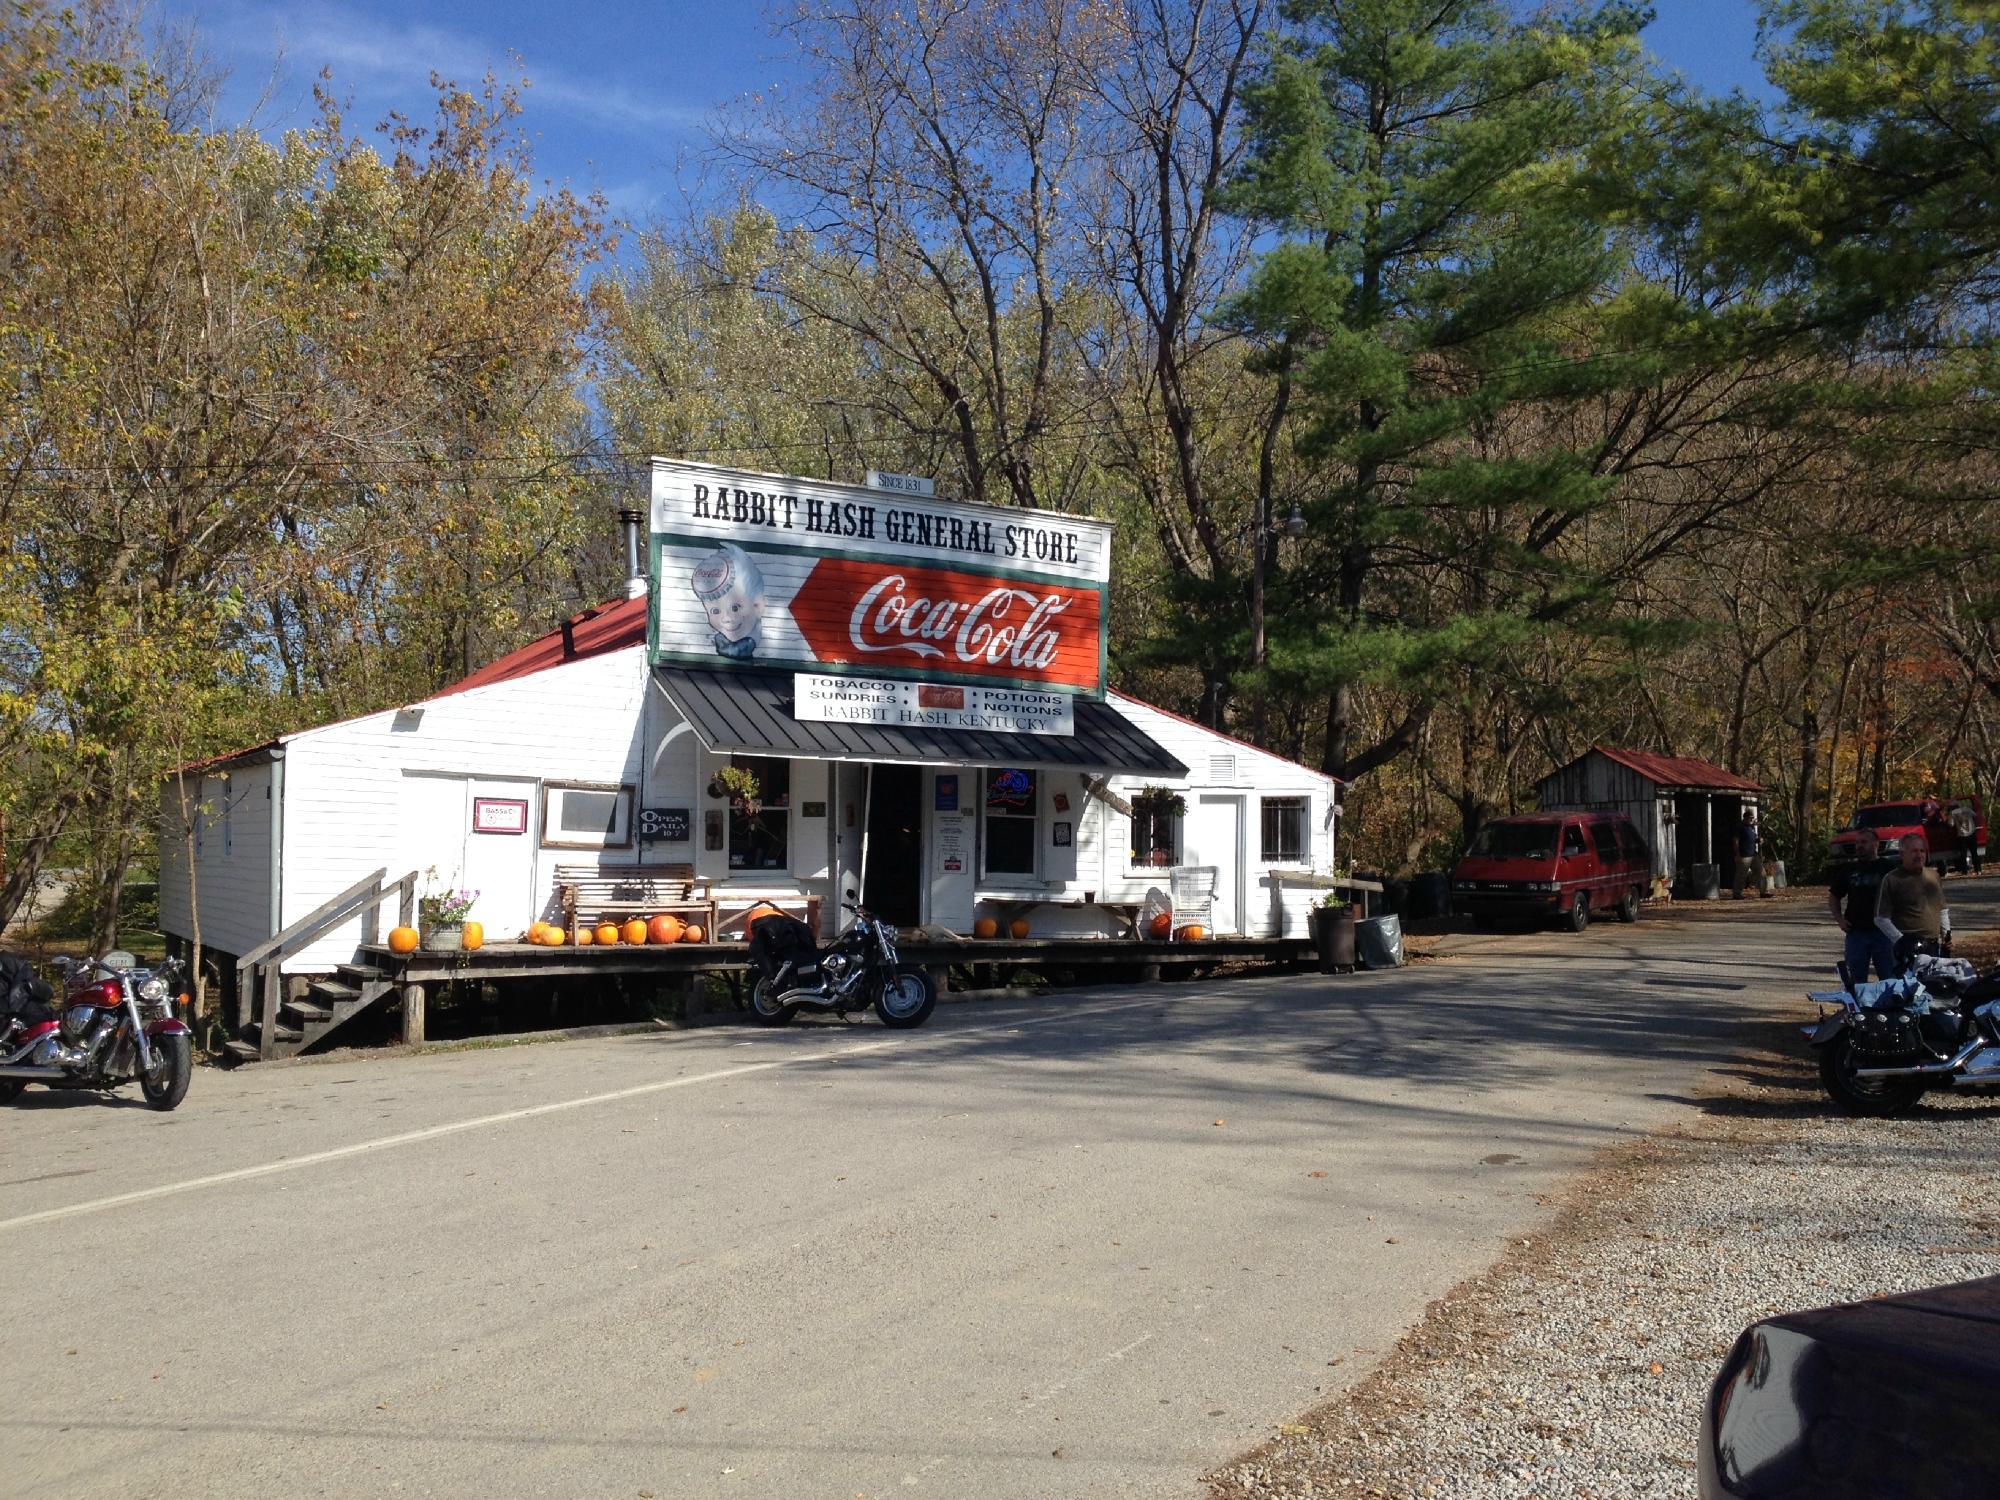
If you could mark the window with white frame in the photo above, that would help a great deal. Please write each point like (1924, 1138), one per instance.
(1156, 827)
(586, 815)
(1285, 840)
(760, 830)
(1007, 813)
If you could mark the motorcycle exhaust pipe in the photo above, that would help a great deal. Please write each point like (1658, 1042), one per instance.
(28, 1073)
(1922, 1070)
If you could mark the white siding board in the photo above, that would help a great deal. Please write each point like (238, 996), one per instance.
(344, 783)
(1104, 835)
(232, 861)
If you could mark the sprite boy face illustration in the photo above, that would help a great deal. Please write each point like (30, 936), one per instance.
(731, 589)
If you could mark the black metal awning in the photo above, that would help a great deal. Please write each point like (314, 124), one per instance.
(750, 712)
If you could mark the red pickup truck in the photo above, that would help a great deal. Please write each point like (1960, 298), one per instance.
(1954, 827)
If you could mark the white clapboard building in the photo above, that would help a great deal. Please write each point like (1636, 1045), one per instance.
(916, 685)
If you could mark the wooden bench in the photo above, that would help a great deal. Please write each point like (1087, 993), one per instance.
(590, 895)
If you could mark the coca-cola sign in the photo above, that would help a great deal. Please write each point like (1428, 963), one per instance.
(760, 570)
(949, 623)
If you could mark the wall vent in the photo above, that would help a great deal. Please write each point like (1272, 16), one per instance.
(1221, 769)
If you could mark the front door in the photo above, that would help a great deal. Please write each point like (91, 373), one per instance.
(893, 868)
(499, 863)
(1215, 838)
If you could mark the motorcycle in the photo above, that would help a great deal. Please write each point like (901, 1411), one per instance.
(109, 1030)
(1882, 1045)
(790, 972)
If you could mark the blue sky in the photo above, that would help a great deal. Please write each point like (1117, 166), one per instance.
(619, 92)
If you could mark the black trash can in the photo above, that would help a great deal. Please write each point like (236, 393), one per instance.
(1704, 882)
(1333, 933)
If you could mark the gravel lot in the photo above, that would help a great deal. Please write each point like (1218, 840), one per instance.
(1576, 1367)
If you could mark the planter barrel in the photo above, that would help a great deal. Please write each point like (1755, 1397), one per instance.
(444, 939)
(1333, 934)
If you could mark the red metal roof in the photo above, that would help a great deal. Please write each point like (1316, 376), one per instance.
(1679, 770)
(608, 627)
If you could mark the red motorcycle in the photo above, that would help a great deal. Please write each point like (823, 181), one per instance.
(109, 1030)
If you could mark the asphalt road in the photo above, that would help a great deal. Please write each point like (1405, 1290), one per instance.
(1091, 1245)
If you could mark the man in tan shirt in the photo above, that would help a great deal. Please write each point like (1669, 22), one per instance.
(1910, 904)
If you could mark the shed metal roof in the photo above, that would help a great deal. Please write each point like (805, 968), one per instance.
(1681, 771)
(750, 712)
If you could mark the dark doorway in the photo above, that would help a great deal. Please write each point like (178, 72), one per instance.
(892, 880)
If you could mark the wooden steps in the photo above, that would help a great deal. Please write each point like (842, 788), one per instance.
(305, 1021)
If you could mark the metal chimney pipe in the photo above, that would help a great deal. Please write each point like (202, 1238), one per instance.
(631, 519)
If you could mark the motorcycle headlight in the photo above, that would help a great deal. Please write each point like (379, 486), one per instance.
(153, 989)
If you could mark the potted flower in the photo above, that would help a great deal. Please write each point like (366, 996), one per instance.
(441, 913)
(739, 785)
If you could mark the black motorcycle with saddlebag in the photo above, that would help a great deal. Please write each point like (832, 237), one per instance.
(789, 971)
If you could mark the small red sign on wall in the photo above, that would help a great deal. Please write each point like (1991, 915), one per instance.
(499, 815)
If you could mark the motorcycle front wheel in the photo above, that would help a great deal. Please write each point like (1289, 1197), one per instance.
(165, 1084)
(1879, 1097)
(906, 999)
(764, 1007)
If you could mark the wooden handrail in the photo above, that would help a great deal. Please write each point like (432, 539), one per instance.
(344, 904)
(365, 895)
(1307, 880)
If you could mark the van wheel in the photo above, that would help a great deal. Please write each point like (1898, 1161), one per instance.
(1579, 912)
(1628, 905)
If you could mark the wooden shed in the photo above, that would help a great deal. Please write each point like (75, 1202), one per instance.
(1687, 810)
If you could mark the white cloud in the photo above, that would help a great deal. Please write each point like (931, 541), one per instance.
(371, 54)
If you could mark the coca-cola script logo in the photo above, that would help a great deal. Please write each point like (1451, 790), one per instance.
(851, 611)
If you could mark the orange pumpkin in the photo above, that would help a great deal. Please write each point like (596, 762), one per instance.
(666, 928)
(757, 914)
(585, 937)
(553, 936)
(607, 933)
(693, 935)
(473, 935)
(986, 927)
(1019, 927)
(1194, 932)
(634, 931)
(1161, 925)
(402, 940)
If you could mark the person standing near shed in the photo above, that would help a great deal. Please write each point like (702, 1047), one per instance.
(1909, 909)
(1748, 863)
(1852, 894)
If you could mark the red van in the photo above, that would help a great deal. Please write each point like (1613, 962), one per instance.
(1553, 864)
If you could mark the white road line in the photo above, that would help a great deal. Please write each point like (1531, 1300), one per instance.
(432, 1132)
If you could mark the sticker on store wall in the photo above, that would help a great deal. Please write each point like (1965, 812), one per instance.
(947, 794)
(1063, 835)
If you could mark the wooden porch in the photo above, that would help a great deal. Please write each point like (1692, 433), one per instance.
(411, 976)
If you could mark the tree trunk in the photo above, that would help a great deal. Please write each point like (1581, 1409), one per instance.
(111, 893)
(33, 851)
(1802, 829)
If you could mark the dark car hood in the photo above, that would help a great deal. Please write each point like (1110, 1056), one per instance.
(1867, 1401)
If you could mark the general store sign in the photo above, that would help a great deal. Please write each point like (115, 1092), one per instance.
(933, 705)
(765, 570)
